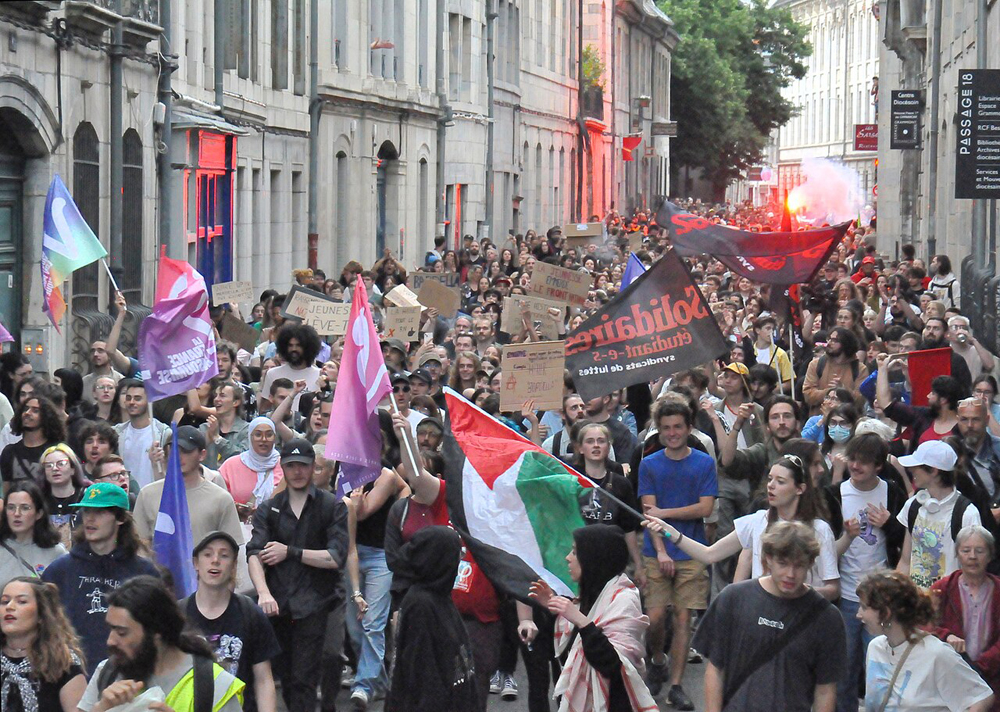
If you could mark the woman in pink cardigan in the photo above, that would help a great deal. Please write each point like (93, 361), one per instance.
(968, 607)
(254, 475)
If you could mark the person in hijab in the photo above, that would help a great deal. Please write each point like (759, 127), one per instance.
(434, 669)
(253, 476)
(603, 630)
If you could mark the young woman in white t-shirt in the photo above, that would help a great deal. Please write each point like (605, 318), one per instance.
(925, 674)
(790, 497)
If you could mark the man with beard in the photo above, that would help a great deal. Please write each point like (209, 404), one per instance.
(934, 336)
(838, 367)
(298, 345)
(100, 365)
(982, 450)
(935, 421)
(105, 554)
(149, 647)
(295, 556)
(623, 441)
(40, 426)
(781, 423)
(139, 434)
(560, 443)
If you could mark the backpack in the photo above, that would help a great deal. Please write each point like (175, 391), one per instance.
(961, 504)
(821, 367)
(204, 682)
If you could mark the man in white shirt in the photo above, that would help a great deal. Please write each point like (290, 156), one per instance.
(298, 345)
(139, 434)
(929, 546)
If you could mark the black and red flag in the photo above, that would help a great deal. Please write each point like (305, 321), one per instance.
(659, 325)
(765, 257)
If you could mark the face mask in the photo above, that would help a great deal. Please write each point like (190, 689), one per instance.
(840, 433)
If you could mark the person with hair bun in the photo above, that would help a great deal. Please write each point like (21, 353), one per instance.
(907, 669)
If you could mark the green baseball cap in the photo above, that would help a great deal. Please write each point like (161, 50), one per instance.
(103, 495)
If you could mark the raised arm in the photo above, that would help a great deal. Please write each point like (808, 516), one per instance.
(118, 360)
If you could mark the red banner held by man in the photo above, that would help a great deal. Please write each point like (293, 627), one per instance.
(924, 367)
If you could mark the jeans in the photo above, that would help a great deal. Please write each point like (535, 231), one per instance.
(857, 646)
(368, 634)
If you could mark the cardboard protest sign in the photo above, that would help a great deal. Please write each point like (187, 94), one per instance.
(402, 296)
(328, 317)
(239, 332)
(532, 372)
(415, 280)
(435, 295)
(659, 325)
(560, 284)
(232, 293)
(512, 320)
(579, 235)
(402, 323)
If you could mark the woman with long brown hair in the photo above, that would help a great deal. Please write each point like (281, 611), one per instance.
(41, 664)
(463, 371)
(791, 496)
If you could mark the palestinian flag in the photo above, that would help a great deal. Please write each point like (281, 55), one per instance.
(513, 499)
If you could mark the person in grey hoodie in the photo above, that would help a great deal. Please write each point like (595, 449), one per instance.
(28, 541)
(106, 553)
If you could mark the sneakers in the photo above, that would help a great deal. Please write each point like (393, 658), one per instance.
(678, 699)
(655, 676)
(509, 691)
(694, 657)
(359, 701)
(496, 683)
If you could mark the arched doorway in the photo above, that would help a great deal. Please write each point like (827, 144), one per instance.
(384, 178)
(12, 162)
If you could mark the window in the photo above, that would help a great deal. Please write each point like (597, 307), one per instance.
(300, 239)
(455, 56)
(279, 44)
(423, 58)
(299, 48)
(553, 34)
(554, 191)
(423, 211)
(539, 217)
(131, 283)
(466, 59)
(339, 34)
(343, 193)
(86, 193)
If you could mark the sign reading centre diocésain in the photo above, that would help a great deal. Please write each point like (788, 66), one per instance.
(659, 325)
(977, 165)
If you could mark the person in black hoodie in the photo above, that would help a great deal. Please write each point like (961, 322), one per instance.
(603, 630)
(106, 553)
(434, 671)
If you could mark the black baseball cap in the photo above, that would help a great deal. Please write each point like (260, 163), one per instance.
(421, 374)
(399, 377)
(298, 450)
(189, 438)
(215, 536)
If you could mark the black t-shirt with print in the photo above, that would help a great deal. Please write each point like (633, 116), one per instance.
(241, 638)
(745, 618)
(597, 508)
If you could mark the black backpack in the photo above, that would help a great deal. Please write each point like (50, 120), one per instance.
(961, 504)
(204, 681)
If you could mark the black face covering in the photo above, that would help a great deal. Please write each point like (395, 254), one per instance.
(434, 553)
(603, 555)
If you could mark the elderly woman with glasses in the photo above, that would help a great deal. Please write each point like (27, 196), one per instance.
(791, 496)
(968, 605)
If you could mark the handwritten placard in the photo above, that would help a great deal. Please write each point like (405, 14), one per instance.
(435, 295)
(238, 331)
(532, 372)
(402, 296)
(232, 293)
(540, 314)
(560, 284)
(416, 280)
(328, 317)
(402, 323)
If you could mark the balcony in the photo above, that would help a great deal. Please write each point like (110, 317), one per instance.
(592, 103)
(140, 19)
(31, 10)
(91, 17)
(142, 22)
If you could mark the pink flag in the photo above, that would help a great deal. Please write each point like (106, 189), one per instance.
(357, 441)
(5, 335)
(176, 278)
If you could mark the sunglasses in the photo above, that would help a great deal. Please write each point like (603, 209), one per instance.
(400, 389)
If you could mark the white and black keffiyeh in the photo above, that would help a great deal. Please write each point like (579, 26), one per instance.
(17, 675)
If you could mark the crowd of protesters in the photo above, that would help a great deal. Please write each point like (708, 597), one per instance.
(809, 534)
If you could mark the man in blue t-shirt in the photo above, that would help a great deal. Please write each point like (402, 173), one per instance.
(679, 485)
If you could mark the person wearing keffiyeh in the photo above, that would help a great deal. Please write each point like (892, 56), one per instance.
(603, 631)
(41, 665)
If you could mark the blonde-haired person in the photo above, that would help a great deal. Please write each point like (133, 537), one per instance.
(65, 482)
(908, 670)
(41, 664)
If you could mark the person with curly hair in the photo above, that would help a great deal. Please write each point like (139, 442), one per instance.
(40, 426)
(41, 664)
(908, 669)
(298, 345)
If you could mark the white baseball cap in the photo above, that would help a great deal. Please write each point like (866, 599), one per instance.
(932, 453)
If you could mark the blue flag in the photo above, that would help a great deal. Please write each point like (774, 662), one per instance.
(633, 269)
(172, 534)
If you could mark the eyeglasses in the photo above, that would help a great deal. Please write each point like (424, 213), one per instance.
(263, 435)
(56, 465)
(973, 401)
(400, 389)
(983, 393)
(795, 460)
(20, 508)
(119, 476)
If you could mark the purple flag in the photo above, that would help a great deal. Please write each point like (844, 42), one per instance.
(5, 335)
(363, 382)
(177, 344)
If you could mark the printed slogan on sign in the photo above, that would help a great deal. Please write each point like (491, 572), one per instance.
(658, 326)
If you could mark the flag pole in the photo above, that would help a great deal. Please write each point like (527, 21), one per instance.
(410, 456)
(791, 352)
(110, 276)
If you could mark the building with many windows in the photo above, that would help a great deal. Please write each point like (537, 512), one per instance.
(78, 97)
